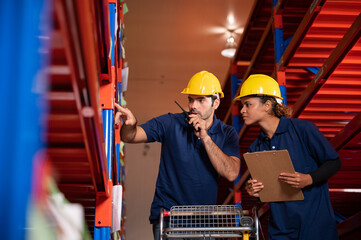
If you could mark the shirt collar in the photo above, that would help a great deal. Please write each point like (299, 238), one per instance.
(283, 125)
(281, 128)
(215, 125)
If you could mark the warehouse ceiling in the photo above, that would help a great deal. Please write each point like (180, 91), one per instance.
(167, 42)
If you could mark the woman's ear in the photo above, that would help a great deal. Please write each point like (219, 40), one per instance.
(268, 105)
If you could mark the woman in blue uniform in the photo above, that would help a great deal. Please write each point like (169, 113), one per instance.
(313, 157)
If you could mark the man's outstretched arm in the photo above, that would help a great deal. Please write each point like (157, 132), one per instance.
(130, 132)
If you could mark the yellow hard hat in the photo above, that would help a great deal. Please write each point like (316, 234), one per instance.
(259, 84)
(203, 83)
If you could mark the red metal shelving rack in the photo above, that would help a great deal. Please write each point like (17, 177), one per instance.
(84, 84)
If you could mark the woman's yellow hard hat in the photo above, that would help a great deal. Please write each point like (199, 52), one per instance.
(259, 84)
(203, 83)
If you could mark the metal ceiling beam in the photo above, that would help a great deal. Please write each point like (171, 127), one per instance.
(352, 129)
(343, 47)
(250, 25)
(349, 224)
(300, 33)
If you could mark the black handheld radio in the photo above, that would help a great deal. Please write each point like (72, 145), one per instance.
(187, 118)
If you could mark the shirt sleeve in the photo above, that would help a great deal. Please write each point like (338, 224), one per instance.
(323, 152)
(155, 128)
(319, 147)
(231, 145)
(326, 171)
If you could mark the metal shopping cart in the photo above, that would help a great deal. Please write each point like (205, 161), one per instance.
(209, 222)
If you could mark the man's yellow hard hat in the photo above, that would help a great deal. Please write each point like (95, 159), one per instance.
(259, 84)
(204, 83)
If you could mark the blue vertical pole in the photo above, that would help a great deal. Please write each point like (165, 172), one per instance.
(103, 233)
(279, 47)
(23, 27)
(117, 150)
(107, 115)
(117, 139)
(278, 34)
(274, 2)
(112, 28)
(283, 91)
(235, 111)
(120, 56)
(235, 120)
(235, 116)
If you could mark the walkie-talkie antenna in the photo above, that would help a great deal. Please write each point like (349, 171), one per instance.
(187, 117)
(180, 106)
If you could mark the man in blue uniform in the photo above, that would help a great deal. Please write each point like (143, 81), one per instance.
(313, 157)
(193, 154)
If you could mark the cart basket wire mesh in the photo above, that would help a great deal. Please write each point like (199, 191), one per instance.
(206, 221)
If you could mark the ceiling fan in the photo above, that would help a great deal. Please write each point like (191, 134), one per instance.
(231, 31)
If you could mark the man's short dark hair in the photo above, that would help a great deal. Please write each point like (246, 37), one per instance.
(213, 97)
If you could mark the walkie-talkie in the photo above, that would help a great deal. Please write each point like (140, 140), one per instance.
(187, 118)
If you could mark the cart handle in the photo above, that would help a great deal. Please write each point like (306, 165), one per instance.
(244, 212)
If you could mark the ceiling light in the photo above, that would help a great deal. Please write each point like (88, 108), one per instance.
(231, 19)
(230, 48)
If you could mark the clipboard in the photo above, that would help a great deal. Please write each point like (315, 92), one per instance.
(265, 167)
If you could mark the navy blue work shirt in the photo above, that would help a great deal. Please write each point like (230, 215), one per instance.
(313, 217)
(186, 175)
